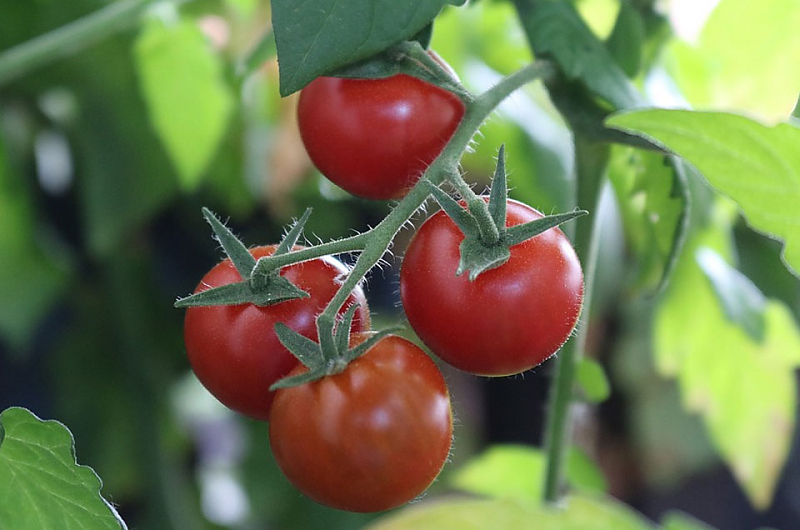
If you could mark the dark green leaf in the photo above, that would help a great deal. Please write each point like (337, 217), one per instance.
(742, 301)
(291, 237)
(233, 246)
(681, 521)
(42, 484)
(424, 36)
(556, 30)
(306, 350)
(499, 192)
(314, 38)
(519, 233)
(625, 41)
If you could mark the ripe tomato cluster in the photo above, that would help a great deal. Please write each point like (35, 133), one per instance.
(374, 433)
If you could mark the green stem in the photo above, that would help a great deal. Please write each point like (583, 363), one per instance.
(591, 160)
(70, 38)
(380, 237)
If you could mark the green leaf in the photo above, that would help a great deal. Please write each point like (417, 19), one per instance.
(592, 380)
(653, 197)
(41, 484)
(625, 41)
(517, 472)
(188, 101)
(745, 58)
(682, 521)
(756, 165)
(745, 391)
(575, 513)
(556, 30)
(742, 301)
(314, 38)
(34, 274)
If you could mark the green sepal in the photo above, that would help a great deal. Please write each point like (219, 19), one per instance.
(304, 349)
(300, 379)
(342, 336)
(294, 233)
(364, 347)
(234, 248)
(519, 233)
(476, 257)
(498, 195)
(268, 291)
(461, 217)
(743, 303)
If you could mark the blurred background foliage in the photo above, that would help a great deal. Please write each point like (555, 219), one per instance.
(107, 155)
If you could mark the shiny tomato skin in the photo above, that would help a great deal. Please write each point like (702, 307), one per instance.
(234, 351)
(375, 137)
(509, 319)
(370, 438)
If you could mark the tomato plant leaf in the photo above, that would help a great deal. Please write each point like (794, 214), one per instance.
(742, 301)
(314, 38)
(592, 380)
(232, 245)
(41, 484)
(744, 390)
(625, 41)
(556, 30)
(755, 165)
(680, 521)
(187, 98)
(578, 512)
(498, 195)
(653, 197)
(34, 275)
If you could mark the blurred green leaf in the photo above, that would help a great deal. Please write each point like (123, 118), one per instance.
(187, 98)
(577, 513)
(34, 274)
(746, 58)
(625, 41)
(745, 391)
(757, 166)
(741, 300)
(556, 31)
(517, 472)
(653, 199)
(592, 380)
(317, 37)
(41, 484)
(682, 521)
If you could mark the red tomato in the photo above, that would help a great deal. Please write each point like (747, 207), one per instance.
(367, 439)
(234, 351)
(510, 318)
(375, 137)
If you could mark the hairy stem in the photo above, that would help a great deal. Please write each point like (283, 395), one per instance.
(70, 38)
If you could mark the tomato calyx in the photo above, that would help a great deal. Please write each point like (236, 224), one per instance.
(487, 240)
(410, 58)
(321, 361)
(259, 286)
